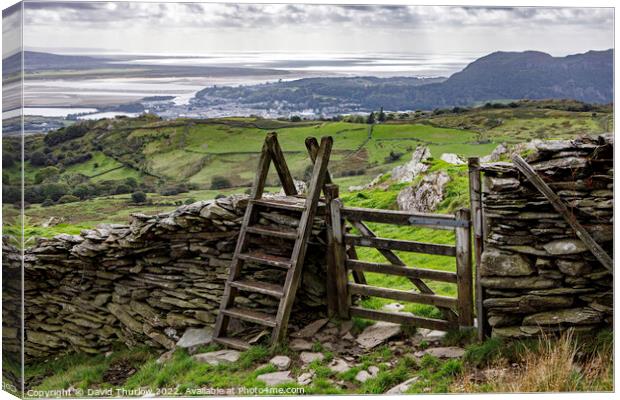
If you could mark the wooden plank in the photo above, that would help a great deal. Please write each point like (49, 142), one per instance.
(271, 231)
(561, 208)
(464, 272)
(253, 316)
(475, 195)
(391, 269)
(305, 229)
(258, 187)
(358, 276)
(448, 314)
(260, 257)
(280, 163)
(402, 245)
(270, 289)
(439, 221)
(340, 278)
(402, 295)
(312, 145)
(401, 318)
(331, 193)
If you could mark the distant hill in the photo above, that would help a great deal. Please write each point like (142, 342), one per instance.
(501, 75)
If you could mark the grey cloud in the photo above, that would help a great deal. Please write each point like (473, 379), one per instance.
(214, 15)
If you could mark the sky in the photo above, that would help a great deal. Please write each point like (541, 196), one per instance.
(199, 28)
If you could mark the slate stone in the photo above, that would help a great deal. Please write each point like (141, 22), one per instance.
(402, 388)
(496, 263)
(573, 316)
(573, 268)
(281, 362)
(565, 247)
(529, 282)
(276, 378)
(377, 333)
(196, 337)
(218, 357)
(307, 357)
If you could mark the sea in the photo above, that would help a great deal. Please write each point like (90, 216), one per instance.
(88, 96)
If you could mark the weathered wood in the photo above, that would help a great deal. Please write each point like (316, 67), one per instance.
(402, 245)
(305, 228)
(464, 272)
(390, 269)
(475, 195)
(260, 257)
(256, 317)
(444, 221)
(402, 295)
(312, 145)
(280, 163)
(402, 318)
(450, 315)
(269, 289)
(233, 343)
(358, 276)
(340, 277)
(228, 297)
(331, 193)
(280, 233)
(561, 208)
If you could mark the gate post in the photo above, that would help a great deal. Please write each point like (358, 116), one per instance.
(464, 269)
(331, 193)
(337, 271)
(475, 196)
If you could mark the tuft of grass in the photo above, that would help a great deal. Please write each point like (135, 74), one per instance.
(553, 368)
(459, 337)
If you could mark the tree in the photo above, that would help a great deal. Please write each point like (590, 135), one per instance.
(138, 197)
(38, 159)
(381, 117)
(46, 174)
(371, 118)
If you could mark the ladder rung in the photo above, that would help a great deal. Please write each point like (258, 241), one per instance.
(273, 232)
(281, 204)
(266, 259)
(232, 342)
(251, 316)
(259, 287)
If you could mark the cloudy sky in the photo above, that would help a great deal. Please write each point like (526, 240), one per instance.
(192, 28)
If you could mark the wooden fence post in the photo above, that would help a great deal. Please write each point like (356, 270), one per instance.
(331, 193)
(464, 271)
(339, 258)
(475, 195)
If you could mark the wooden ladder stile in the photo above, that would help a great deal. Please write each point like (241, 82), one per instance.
(271, 152)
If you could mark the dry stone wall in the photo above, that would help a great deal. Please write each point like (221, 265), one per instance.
(536, 274)
(147, 282)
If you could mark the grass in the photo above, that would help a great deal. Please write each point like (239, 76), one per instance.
(568, 363)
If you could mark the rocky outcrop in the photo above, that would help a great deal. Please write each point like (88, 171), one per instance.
(452, 158)
(536, 274)
(150, 281)
(408, 172)
(426, 195)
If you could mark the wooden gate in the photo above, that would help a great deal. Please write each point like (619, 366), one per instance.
(456, 312)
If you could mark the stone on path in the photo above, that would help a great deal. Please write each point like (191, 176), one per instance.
(374, 370)
(442, 352)
(376, 334)
(282, 363)
(195, 337)
(431, 335)
(338, 366)
(363, 376)
(310, 329)
(307, 357)
(305, 378)
(402, 387)
(218, 357)
(276, 378)
(299, 345)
